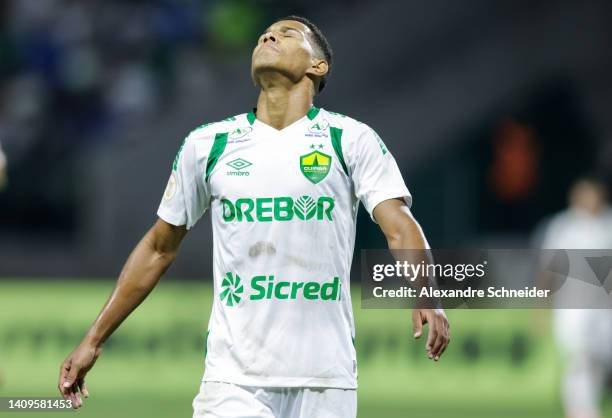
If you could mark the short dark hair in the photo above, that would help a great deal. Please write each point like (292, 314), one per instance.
(320, 41)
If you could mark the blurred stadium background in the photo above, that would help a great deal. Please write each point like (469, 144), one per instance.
(491, 109)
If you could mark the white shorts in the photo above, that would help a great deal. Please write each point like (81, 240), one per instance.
(226, 400)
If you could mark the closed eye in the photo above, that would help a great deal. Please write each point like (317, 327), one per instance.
(286, 31)
(290, 32)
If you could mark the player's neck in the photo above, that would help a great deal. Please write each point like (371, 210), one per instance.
(279, 106)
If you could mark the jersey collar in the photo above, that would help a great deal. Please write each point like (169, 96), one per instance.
(311, 114)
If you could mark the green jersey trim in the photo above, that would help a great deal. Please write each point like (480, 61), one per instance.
(178, 155)
(313, 112)
(251, 117)
(336, 139)
(215, 152)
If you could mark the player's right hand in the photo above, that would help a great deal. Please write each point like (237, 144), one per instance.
(71, 382)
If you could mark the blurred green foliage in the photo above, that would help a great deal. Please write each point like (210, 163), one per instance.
(234, 25)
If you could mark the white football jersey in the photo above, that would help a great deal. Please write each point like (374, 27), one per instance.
(283, 206)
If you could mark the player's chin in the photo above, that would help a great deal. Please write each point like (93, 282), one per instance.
(266, 66)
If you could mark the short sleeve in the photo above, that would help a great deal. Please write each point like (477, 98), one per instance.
(374, 172)
(187, 194)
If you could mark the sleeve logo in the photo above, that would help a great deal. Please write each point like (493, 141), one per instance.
(170, 187)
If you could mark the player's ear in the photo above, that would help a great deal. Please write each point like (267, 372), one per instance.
(318, 68)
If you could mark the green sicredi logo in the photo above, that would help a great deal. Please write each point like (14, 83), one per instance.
(284, 208)
(231, 289)
(266, 287)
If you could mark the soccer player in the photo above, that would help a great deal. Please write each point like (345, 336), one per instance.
(283, 183)
(586, 350)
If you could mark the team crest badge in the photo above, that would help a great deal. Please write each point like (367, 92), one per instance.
(315, 166)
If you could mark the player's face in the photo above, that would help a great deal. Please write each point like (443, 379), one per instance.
(588, 196)
(283, 48)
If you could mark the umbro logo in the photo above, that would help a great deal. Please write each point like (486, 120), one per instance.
(239, 165)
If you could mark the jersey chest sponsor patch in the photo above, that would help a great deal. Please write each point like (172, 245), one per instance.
(234, 290)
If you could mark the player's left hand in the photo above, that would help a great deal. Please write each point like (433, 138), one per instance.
(439, 330)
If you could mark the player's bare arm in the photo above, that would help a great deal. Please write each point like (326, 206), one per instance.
(403, 232)
(141, 272)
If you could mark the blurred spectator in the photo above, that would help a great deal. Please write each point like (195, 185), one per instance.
(79, 68)
(77, 72)
(133, 92)
(584, 336)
